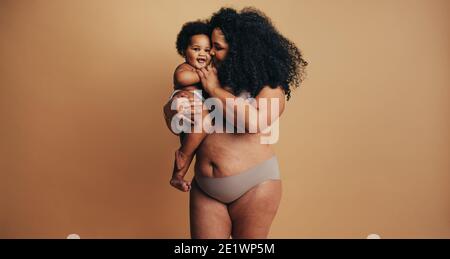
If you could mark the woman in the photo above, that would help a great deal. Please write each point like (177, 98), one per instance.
(236, 190)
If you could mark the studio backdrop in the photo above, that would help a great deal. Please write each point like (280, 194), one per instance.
(364, 142)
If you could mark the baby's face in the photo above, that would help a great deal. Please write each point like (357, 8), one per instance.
(197, 53)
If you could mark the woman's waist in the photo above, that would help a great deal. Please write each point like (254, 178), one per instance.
(235, 141)
(266, 168)
(223, 163)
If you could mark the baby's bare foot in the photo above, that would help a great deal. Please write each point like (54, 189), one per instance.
(180, 183)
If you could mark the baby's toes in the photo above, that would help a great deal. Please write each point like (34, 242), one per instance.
(185, 187)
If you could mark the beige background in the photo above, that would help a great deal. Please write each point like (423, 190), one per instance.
(364, 146)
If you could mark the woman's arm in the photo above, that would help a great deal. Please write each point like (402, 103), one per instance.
(242, 110)
(169, 113)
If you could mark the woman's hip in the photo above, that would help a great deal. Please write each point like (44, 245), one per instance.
(229, 188)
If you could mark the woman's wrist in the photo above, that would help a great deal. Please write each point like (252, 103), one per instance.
(214, 91)
(210, 92)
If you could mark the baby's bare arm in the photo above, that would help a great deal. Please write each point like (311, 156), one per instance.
(185, 75)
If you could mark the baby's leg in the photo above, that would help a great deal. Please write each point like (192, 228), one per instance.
(192, 141)
(185, 154)
(187, 150)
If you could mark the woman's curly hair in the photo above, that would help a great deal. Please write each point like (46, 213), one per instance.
(188, 30)
(258, 54)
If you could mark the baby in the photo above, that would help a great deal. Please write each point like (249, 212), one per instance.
(193, 44)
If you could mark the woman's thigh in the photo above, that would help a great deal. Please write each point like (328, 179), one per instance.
(252, 214)
(209, 218)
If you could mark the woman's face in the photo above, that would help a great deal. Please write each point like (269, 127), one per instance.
(219, 46)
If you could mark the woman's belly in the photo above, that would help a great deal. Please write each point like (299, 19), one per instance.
(226, 154)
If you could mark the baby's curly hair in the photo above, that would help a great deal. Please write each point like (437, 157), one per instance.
(258, 54)
(187, 31)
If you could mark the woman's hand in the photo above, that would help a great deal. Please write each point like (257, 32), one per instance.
(185, 109)
(209, 78)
